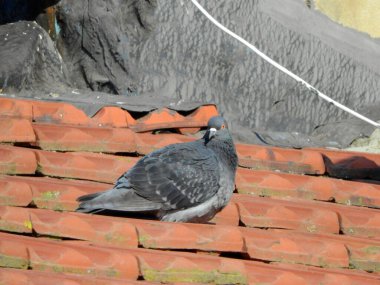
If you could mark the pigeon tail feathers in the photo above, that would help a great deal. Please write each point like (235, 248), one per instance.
(116, 200)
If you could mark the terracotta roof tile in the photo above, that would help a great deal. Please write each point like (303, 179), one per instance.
(170, 119)
(45, 192)
(97, 229)
(281, 185)
(286, 160)
(32, 277)
(147, 142)
(15, 193)
(58, 112)
(111, 117)
(16, 130)
(316, 275)
(355, 221)
(17, 160)
(57, 137)
(271, 213)
(185, 267)
(364, 253)
(350, 164)
(45, 255)
(70, 138)
(90, 166)
(283, 226)
(16, 108)
(287, 247)
(64, 113)
(228, 216)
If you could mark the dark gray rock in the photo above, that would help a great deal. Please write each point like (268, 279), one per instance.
(95, 42)
(29, 59)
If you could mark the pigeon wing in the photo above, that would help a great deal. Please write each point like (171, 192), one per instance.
(178, 176)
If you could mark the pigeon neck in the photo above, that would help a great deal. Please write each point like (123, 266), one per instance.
(225, 149)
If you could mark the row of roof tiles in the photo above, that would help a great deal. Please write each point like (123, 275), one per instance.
(250, 210)
(58, 137)
(303, 239)
(33, 277)
(322, 250)
(309, 161)
(64, 113)
(107, 168)
(81, 257)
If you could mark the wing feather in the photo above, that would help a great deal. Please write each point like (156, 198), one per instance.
(178, 176)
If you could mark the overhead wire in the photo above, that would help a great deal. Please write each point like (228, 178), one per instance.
(283, 69)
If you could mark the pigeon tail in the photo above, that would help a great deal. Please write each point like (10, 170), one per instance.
(88, 197)
(117, 200)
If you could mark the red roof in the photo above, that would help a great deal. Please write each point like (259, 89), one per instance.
(290, 221)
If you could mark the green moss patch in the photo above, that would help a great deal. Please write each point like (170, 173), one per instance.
(194, 276)
(13, 262)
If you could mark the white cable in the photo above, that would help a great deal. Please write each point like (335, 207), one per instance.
(283, 69)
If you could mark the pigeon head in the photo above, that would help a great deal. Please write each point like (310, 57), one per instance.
(216, 127)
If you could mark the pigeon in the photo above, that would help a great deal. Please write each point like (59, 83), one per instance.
(184, 182)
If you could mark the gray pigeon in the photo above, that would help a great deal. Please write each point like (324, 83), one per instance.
(185, 182)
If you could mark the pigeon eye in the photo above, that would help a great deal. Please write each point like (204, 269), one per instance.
(223, 126)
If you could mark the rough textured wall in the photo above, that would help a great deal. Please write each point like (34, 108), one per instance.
(186, 56)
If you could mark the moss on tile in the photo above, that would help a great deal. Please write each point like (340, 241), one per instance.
(349, 230)
(322, 263)
(10, 168)
(50, 200)
(9, 227)
(311, 228)
(112, 272)
(40, 168)
(231, 278)
(361, 232)
(268, 192)
(80, 147)
(115, 238)
(372, 249)
(193, 276)
(7, 201)
(358, 201)
(50, 195)
(58, 207)
(304, 193)
(47, 266)
(146, 241)
(28, 224)
(251, 188)
(13, 262)
(64, 269)
(366, 265)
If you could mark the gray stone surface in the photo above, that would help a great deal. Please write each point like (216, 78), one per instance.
(29, 59)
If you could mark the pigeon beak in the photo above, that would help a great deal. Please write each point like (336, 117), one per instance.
(211, 133)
